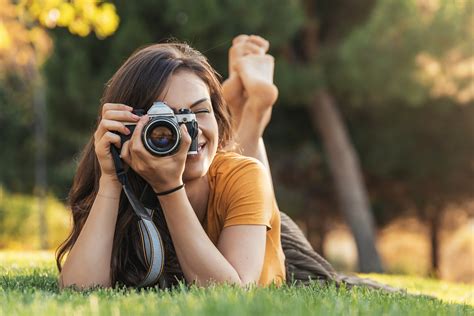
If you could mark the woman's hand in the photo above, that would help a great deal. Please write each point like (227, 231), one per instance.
(113, 117)
(162, 173)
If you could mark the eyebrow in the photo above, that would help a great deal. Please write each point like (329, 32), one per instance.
(193, 104)
(198, 101)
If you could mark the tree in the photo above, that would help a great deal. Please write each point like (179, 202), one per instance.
(348, 47)
(320, 36)
(425, 48)
(25, 46)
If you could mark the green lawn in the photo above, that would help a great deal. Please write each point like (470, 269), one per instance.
(28, 287)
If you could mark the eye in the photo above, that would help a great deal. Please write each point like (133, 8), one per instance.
(202, 111)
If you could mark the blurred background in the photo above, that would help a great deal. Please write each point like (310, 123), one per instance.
(371, 142)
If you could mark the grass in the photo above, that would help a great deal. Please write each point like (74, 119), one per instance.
(28, 287)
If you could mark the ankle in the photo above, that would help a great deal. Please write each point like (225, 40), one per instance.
(254, 121)
(263, 95)
(257, 109)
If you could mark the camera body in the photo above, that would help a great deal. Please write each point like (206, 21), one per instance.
(161, 135)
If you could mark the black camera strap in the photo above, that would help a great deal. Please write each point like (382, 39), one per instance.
(152, 243)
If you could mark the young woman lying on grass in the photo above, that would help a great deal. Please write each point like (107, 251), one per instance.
(224, 225)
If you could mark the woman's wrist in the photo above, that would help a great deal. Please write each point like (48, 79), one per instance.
(109, 186)
(163, 193)
(165, 187)
(257, 110)
(171, 198)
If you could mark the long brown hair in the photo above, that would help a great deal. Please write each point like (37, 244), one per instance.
(138, 83)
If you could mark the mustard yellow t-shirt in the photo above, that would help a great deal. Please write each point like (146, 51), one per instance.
(237, 186)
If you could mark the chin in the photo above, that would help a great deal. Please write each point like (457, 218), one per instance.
(195, 170)
(193, 174)
(197, 166)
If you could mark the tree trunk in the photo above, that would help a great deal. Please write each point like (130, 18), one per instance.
(345, 169)
(39, 107)
(434, 241)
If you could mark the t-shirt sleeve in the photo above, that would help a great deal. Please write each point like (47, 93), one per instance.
(249, 196)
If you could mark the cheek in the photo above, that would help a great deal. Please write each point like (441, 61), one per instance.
(215, 131)
(209, 127)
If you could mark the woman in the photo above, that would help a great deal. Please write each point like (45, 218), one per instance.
(224, 225)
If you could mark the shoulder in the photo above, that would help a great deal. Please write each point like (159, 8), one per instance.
(230, 165)
(234, 177)
(241, 189)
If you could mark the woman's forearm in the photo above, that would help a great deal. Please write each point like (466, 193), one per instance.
(200, 260)
(88, 262)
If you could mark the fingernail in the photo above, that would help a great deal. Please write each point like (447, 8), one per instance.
(127, 131)
(136, 117)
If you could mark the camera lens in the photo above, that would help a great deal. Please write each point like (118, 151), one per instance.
(162, 137)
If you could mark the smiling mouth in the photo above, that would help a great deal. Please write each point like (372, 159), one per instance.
(196, 154)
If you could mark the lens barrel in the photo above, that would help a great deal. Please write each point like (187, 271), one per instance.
(161, 136)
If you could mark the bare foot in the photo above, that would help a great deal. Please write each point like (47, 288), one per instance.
(233, 89)
(256, 74)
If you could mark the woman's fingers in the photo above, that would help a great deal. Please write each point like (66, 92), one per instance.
(125, 153)
(113, 116)
(103, 145)
(120, 115)
(110, 126)
(136, 145)
(185, 139)
(115, 106)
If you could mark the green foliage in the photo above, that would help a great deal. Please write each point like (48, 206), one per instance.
(19, 222)
(415, 156)
(383, 61)
(197, 21)
(433, 138)
(297, 82)
(16, 121)
(29, 286)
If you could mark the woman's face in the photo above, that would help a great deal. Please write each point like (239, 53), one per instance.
(185, 90)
